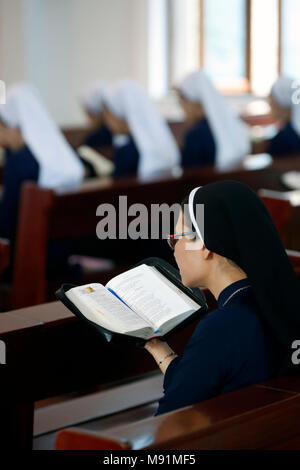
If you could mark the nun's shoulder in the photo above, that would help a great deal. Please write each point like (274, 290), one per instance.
(99, 137)
(21, 160)
(285, 141)
(288, 133)
(238, 316)
(213, 325)
(200, 128)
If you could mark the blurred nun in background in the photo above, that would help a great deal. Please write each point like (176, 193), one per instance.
(92, 103)
(142, 141)
(35, 150)
(285, 108)
(215, 135)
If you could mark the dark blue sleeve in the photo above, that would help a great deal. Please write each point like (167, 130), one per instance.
(19, 167)
(126, 160)
(99, 138)
(199, 146)
(286, 142)
(199, 373)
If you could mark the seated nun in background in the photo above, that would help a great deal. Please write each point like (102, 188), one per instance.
(35, 150)
(215, 136)
(249, 337)
(287, 113)
(142, 141)
(92, 102)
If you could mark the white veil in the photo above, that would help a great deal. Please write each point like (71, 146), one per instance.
(156, 145)
(92, 98)
(231, 138)
(285, 93)
(60, 168)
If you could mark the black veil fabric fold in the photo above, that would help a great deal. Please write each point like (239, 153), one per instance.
(238, 226)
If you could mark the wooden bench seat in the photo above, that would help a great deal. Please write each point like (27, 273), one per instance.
(262, 416)
(50, 352)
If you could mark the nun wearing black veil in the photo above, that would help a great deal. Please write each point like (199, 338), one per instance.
(239, 257)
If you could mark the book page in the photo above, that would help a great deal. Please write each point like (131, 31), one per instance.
(151, 295)
(170, 324)
(102, 307)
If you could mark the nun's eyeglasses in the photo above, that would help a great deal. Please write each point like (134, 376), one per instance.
(173, 239)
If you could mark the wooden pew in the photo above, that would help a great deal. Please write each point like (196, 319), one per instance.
(73, 215)
(49, 352)
(262, 416)
(284, 208)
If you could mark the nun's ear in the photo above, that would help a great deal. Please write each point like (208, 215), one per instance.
(207, 254)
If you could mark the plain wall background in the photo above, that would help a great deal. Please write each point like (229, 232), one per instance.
(63, 45)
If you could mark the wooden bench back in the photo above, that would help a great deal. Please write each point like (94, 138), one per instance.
(262, 416)
(50, 352)
(46, 216)
(285, 213)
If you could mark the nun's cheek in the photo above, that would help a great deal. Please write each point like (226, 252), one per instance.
(180, 260)
(185, 277)
(186, 270)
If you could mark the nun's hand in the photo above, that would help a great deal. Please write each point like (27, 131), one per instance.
(161, 352)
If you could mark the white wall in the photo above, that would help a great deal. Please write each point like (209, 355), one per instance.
(13, 50)
(63, 45)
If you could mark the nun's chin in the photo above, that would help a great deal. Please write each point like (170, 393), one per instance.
(184, 280)
(188, 281)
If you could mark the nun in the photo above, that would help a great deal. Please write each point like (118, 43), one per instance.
(92, 103)
(35, 150)
(215, 136)
(235, 252)
(142, 141)
(285, 109)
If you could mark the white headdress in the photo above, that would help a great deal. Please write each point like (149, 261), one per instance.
(284, 92)
(156, 145)
(92, 98)
(60, 168)
(232, 141)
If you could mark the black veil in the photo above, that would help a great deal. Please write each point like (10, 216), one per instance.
(238, 226)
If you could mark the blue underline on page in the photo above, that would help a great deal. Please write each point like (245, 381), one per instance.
(113, 292)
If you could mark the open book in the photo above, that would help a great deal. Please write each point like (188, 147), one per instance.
(141, 302)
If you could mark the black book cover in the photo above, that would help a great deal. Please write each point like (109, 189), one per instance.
(172, 274)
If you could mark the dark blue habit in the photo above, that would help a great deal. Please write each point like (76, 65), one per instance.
(99, 137)
(125, 157)
(228, 350)
(199, 146)
(285, 142)
(19, 167)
